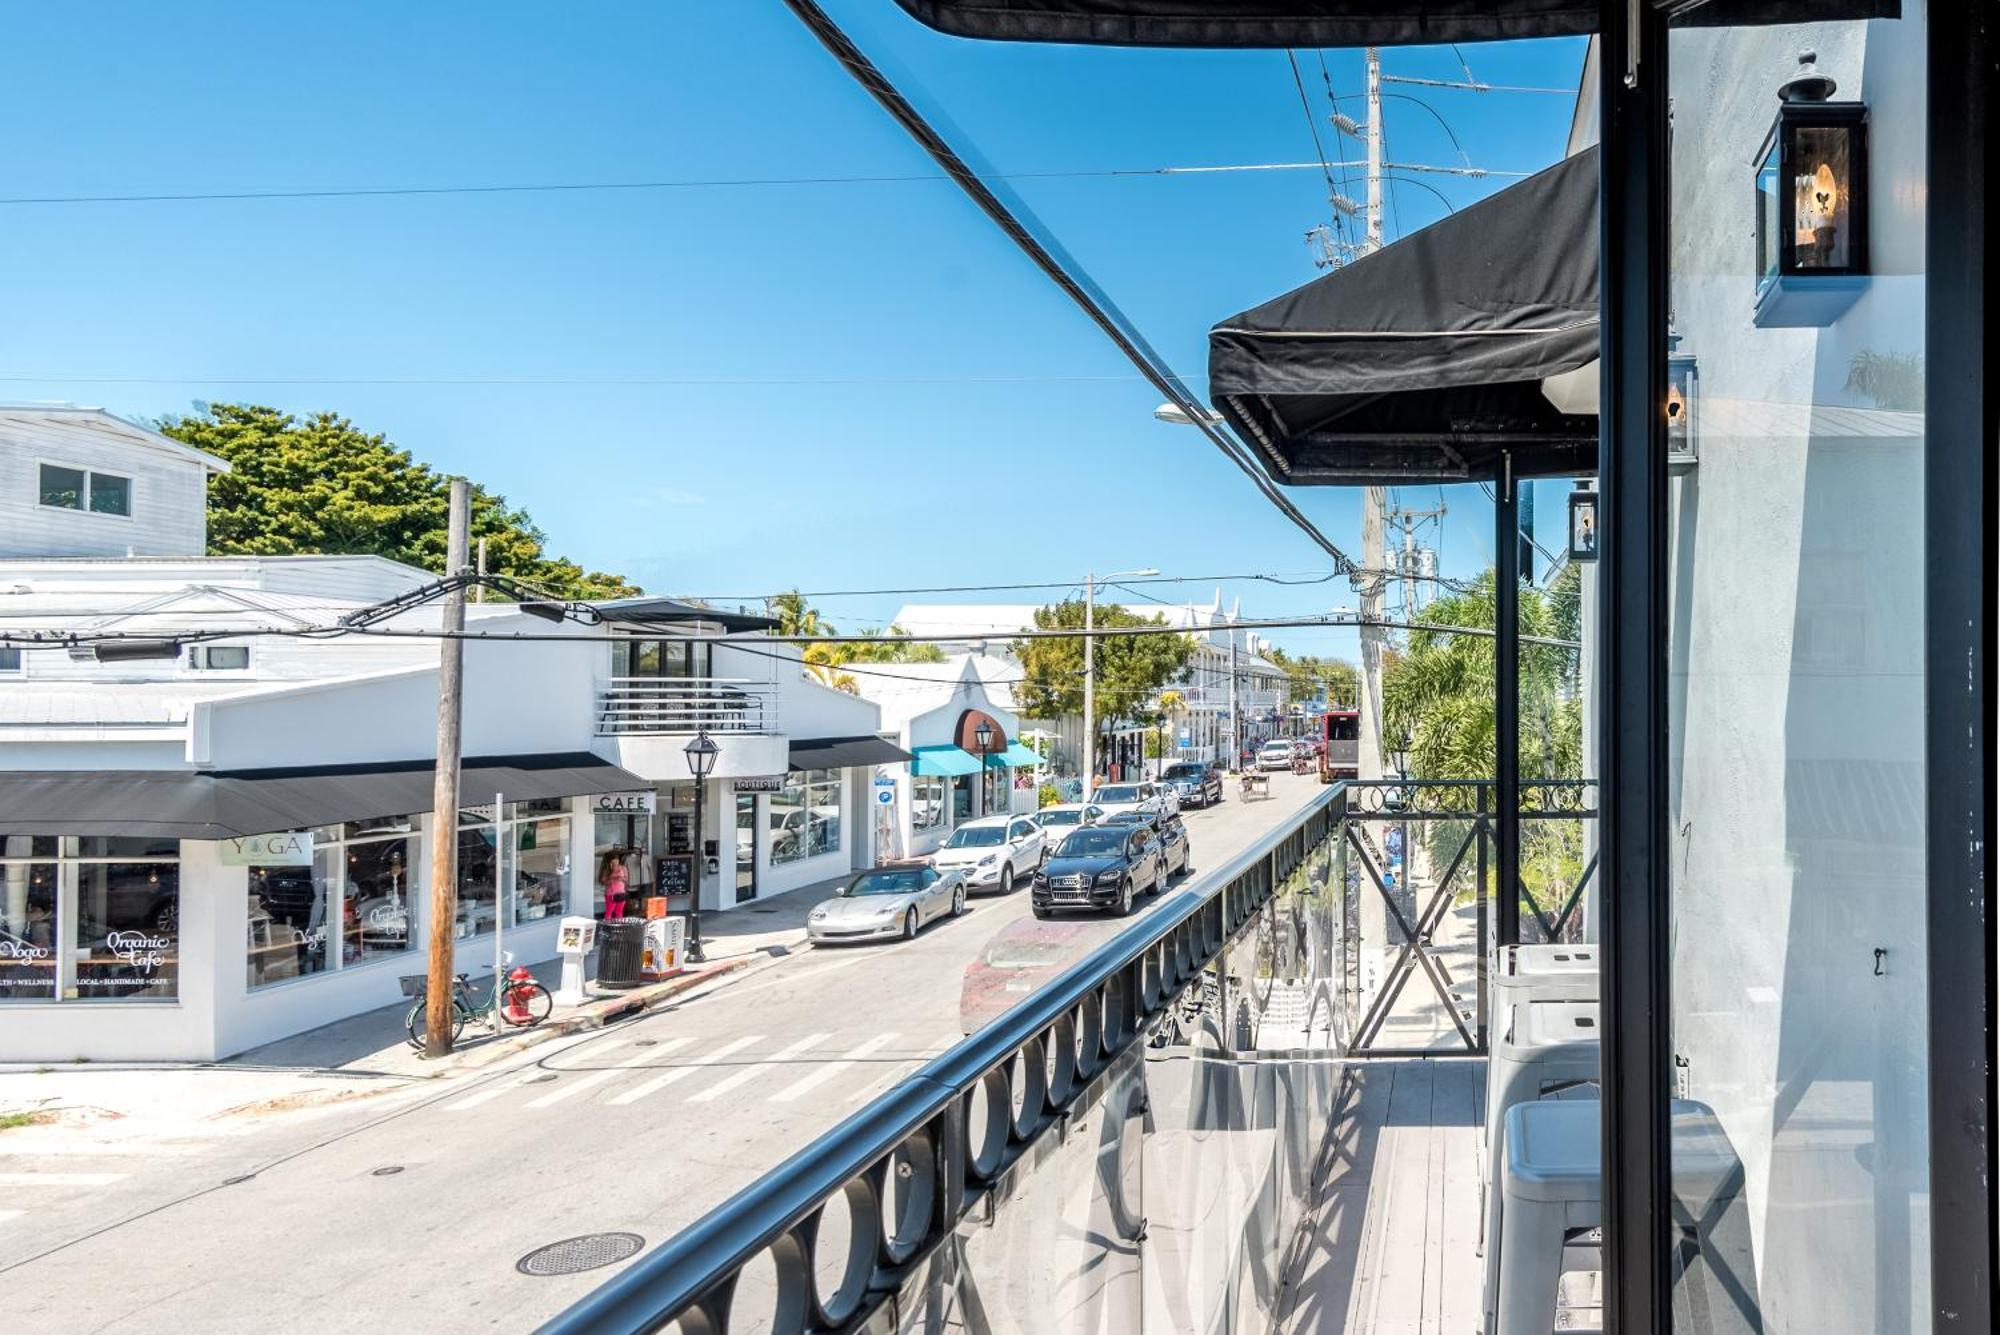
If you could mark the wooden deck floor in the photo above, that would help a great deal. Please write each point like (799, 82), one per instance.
(1394, 1244)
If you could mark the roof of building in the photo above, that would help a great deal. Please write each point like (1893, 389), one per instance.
(49, 424)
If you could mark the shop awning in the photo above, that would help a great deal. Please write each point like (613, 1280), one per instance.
(845, 752)
(1274, 23)
(1016, 756)
(181, 804)
(945, 760)
(1424, 361)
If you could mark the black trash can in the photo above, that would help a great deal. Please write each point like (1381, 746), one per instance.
(621, 949)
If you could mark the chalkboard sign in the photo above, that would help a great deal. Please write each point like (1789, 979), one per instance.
(676, 877)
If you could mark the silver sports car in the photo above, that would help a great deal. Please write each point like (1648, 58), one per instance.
(887, 902)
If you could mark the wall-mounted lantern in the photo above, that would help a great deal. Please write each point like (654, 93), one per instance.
(1682, 376)
(1582, 525)
(1812, 204)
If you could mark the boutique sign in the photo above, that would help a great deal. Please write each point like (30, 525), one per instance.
(269, 850)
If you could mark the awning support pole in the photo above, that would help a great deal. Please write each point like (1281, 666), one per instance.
(1507, 705)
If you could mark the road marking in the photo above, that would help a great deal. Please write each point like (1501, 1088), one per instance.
(665, 1078)
(815, 1079)
(5, 1215)
(60, 1179)
(755, 1069)
(582, 1080)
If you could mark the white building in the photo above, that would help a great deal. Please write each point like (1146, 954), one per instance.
(80, 482)
(1199, 727)
(137, 923)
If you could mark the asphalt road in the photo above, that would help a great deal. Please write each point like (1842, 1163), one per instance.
(409, 1211)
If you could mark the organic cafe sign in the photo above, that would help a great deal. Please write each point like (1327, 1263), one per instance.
(269, 850)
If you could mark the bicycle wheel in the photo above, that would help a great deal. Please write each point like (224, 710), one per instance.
(418, 1023)
(528, 1004)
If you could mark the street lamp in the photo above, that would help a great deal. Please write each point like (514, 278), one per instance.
(701, 754)
(1399, 755)
(1090, 583)
(982, 741)
(1176, 415)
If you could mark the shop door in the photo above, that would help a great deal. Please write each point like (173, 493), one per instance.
(746, 847)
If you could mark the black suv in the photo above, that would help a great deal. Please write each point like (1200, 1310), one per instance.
(1171, 833)
(1198, 782)
(1100, 867)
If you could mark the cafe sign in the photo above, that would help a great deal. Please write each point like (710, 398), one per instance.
(624, 804)
(269, 850)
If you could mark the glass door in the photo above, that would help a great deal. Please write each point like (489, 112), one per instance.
(746, 847)
(1795, 639)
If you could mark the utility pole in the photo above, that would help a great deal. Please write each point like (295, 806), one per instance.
(1368, 583)
(444, 799)
(1406, 521)
(1089, 684)
(1373, 140)
(1235, 723)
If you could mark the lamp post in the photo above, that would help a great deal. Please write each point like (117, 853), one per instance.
(982, 742)
(701, 754)
(1090, 583)
(1399, 756)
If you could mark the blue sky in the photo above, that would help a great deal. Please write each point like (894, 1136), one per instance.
(716, 390)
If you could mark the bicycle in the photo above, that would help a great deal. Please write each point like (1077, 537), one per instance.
(524, 1004)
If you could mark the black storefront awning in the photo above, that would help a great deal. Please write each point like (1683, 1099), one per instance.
(1424, 361)
(1275, 23)
(674, 612)
(843, 752)
(168, 804)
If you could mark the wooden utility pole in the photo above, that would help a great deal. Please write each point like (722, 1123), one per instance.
(444, 801)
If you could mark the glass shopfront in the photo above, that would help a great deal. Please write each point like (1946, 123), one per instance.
(927, 802)
(805, 816)
(528, 851)
(351, 907)
(93, 918)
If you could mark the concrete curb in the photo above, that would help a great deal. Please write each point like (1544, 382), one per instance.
(597, 1014)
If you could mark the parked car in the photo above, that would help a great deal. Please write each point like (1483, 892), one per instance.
(1171, 831)
(1196, 782)
(1100, 867)
(887, 902)
(1143, 795)
(994, 852)
(1057, 821)
(1275, 755)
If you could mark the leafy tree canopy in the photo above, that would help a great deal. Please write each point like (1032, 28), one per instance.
(1131, 669)
(823, 661)
(319, 485)
(1312, 675)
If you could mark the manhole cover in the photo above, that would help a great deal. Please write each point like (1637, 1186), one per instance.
(572, 1255)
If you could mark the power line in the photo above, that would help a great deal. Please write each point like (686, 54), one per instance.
(1475, 86)
(86, 378)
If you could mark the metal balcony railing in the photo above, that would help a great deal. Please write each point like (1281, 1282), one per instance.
(1171, 1098)
(636, 705)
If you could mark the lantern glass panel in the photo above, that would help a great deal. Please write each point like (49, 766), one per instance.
(1822, 183)
(1769, 228)
(1680, 402)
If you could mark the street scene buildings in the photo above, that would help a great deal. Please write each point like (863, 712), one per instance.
(818, 877)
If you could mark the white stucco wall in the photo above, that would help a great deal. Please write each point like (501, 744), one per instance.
(1797, 701)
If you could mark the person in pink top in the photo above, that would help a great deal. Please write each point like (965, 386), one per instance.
(613, 877)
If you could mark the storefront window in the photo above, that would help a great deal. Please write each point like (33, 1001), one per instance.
(541, 868)
(290, 913)
(477, 868)
(379, 857)
(534, 840)
(28, 878)
(926, 802)
(787, 819)
(350, 907)
(128, 917)
(621, 860)
(823, 808)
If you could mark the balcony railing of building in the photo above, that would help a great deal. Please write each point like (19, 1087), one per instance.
(637, 705)
(1141, 1144)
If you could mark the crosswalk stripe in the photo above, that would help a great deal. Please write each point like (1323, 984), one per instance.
(5, 1215)
(494, 1090)
(752, 1071)
(814, 1079)
(665, 1078)
(60, 1179)
(573, 1085)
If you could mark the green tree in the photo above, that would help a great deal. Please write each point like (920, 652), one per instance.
(1131, 669)
(1312, 675)
(891, 651)
(318, 484)
(797, 617)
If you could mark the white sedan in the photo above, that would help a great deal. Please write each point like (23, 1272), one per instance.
(885, 903)
(1143, 795)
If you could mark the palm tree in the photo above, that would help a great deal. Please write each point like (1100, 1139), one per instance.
(798, 618)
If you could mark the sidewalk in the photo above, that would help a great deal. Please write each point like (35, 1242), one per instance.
(364, 1056)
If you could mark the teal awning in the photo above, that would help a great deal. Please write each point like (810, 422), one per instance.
(946, 760)
(1016, 756)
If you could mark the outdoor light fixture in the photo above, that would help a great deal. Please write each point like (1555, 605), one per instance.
(701, 755)
(1582, 525)
(134, 650)
(547, 611)
(1812, 204)
(1681, 375)
(1399, 754)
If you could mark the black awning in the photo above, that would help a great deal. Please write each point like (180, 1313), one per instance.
(1275, 23)
(844, 752)
(1424, 361)
(674, 612)
(181, 804)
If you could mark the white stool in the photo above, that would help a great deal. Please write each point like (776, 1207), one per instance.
(1553, 1185)
(1538, 1044)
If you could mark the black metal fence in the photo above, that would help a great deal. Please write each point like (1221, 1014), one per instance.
(1131, 1147)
